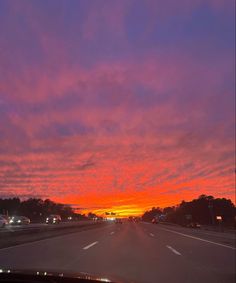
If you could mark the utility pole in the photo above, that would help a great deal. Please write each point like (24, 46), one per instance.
(210, 206)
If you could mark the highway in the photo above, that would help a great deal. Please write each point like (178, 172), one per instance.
(132, 252)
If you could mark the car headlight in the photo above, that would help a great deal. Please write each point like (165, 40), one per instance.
(19, 221)
(11, 221)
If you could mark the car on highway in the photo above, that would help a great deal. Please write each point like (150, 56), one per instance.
(19, 220)
(3, 221)
(118, 221)
(134, 219)
(195, 225)
(155, 220)
(53, 219)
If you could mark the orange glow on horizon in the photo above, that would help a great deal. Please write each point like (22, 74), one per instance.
(131, 204)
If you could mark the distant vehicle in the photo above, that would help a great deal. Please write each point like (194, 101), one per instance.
(118, 221)
(155, 220)
(19, 220)
(193, 225)
(3, 221)
(53, 219)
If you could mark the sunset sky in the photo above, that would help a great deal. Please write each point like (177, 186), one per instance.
(117, 105)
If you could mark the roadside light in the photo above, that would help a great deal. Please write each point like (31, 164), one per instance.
(104, 280)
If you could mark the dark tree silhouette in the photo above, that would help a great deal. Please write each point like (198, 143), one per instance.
(204, 210)
(37, 209)
(149, 215)
(92, 215)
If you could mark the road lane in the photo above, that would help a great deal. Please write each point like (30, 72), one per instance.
(127, 256)
(41, 253)
(130, 254)
(205, 255)
(200, 239)
(220, 237)
(224, 239)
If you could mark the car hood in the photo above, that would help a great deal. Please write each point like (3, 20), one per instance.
(56, 273)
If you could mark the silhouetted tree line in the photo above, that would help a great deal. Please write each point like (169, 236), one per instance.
(37, 209)
(203, 210)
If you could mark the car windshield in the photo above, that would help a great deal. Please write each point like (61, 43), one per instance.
(117, 139)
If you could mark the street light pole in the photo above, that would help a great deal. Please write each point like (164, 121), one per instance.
(210, 206)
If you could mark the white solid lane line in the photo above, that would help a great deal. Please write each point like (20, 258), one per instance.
(152, 235)
(199, 239)
(89, 246)
(173, 250)
(112, 233)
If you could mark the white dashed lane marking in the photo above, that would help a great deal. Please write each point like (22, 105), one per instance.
(89, 246)
(173, 250)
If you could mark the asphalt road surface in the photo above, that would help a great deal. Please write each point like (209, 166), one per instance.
(132, 252)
